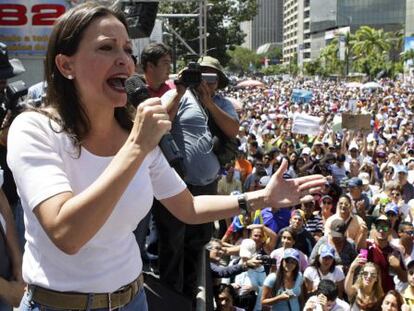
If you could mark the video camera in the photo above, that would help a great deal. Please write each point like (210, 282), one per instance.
(266, 260)
(192, 76)
(10, 102)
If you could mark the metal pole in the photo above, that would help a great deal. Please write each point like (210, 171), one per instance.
(205, 25)
(200, 29)
(174, 52)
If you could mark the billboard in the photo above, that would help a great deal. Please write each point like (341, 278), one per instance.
(409, 45)
(25, 25)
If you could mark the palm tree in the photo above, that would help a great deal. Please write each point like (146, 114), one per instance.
(371, 48)
(368, 40)
(349, 40)
(408, 55)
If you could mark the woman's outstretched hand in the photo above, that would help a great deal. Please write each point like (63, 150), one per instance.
(281, 192)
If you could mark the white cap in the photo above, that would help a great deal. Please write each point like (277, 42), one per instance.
(264, 181)
(370, 138)
(306, 150)
(364, 176)
(247, 248)
(353, 145)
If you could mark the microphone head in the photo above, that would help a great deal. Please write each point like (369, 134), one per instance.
(136, 90)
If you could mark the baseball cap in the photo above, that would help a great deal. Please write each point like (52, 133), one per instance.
(381, 154)
(247, 248)
(401, 169)
(355, 182)
(364, 176)
(264, 181)
(338, 228)
(306, 150)
(326, 251)
(298, 212)
(326, 197)
(382, 218)
(391, 207)
(409, 261)
(353, 146)
(291, 253)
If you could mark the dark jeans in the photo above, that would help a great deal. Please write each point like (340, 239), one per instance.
(181, 245)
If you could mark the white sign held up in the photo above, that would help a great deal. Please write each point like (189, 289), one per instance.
(306, 124)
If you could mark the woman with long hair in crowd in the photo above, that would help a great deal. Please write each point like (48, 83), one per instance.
(324, 268)
(282, 290)
(366, 292)
(288, 239)
(87, 166)
(225, 296)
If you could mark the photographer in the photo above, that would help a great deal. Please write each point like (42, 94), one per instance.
(10, 107)
(180, 244)
(11, 283)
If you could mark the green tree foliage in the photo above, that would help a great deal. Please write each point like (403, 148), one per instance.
(371, 48)
(329, 57)
(408, 55)
(241, 58)
(223, 24)
(314, 68)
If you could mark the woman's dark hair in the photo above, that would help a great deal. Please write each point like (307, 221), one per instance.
(346, 197)
(280, 275)
(291, 232)
(61, 92)
(317, 264)
(225, 288)
(329, 289)
(397, 296)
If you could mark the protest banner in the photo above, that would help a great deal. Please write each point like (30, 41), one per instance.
(306, 124)
(356, 121)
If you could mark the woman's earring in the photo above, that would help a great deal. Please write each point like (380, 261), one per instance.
(70, 77)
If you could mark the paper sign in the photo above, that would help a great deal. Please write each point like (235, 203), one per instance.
(306, 124)
(356, 121)
(337, 124)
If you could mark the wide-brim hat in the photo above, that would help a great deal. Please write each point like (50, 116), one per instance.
(9, 68)
(211, 62)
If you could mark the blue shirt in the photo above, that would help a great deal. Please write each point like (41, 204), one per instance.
(294, 301)
(276, 220)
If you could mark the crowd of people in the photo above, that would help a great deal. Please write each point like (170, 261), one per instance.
(303, 220)
(87, 166)
(347, 247)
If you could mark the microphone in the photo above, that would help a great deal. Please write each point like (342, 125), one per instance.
(137, 92)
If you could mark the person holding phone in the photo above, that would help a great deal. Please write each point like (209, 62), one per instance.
(366, 292)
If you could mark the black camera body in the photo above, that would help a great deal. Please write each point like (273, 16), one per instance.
(266, 260)
(10, 102)
(192, 76)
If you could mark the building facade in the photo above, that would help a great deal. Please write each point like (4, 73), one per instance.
(328, 16)
(296, 30)
(266, 27)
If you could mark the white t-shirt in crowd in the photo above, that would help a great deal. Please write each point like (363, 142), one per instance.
(44, 163)
(311, 273)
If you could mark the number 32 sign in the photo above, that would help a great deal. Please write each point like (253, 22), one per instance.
(41, 14)
(25, 26)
